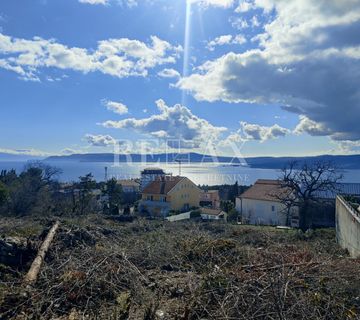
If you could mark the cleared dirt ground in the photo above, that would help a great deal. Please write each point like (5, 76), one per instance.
(100, 269)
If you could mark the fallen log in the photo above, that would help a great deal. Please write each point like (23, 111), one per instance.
(31, 276)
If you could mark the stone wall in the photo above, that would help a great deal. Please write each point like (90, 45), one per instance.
(348, 227)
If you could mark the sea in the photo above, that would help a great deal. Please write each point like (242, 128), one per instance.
(199, 173)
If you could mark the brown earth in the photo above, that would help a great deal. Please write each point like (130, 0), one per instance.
(100, 269)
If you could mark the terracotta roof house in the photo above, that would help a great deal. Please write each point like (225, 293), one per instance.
(267, 190)
(213, 214)
(168, 193)
(261, 205)
(210, 199)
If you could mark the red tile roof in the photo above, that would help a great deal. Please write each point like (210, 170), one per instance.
(268, 190)
(162, 185)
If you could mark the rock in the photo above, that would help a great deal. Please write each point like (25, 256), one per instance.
(15, 252)
(160, 314)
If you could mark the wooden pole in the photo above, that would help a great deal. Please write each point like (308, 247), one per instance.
(31, 276)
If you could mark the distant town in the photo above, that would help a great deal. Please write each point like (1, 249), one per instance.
(160, 195)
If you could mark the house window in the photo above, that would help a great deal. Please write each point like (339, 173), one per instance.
(272, 208)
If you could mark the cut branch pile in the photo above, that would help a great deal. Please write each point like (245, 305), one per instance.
(155, 270)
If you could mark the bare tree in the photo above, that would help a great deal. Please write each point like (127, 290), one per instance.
(49, 173)
(31, 191)
(303, 185)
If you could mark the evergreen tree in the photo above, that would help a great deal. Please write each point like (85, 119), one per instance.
(86, 185)
(3, 194)
(115, 194)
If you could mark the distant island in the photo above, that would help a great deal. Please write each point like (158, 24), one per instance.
(341, 161)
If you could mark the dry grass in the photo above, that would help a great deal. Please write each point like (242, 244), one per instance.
(156, 270)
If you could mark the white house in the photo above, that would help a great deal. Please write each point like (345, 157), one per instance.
(260, 205)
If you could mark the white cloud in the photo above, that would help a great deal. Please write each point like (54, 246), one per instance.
(307, 62)
(117, 57)
(226, 40)
(169, 73)
(104, 2)
(17, 69)
(129, 3)
(262, 133)
(238, 23)
(219, 41)
(244, 6)
(311, 127)
(255, 22)
(233, 139)
(25, 152)
(214, 3)
(176, 122)
(116, 107)
(68, 151)
(100, 140)
(349, 147)
(239, 39)
(250, 132)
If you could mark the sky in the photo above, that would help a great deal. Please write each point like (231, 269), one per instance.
(226, 77)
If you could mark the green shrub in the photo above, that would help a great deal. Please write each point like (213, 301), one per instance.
(195, 214)
(232, 215)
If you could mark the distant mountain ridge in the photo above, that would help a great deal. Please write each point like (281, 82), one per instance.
(341, 161)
